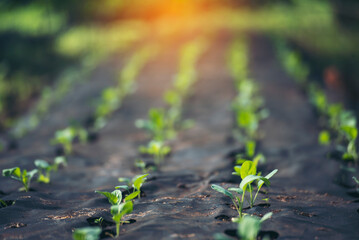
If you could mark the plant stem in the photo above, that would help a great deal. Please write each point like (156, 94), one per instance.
(118, 229)
(251, 196)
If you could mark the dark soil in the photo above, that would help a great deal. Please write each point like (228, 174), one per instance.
(179, 204)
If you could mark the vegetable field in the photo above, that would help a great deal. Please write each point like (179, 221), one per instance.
(227, 131)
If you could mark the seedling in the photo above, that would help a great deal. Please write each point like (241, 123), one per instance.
(248, 227)
(3, 203)
(87, 233)
(143, 166)
(22, 176)
(44, 168)
(357, 183)
(157, 149)
(99, 221)
(66, 137)
(135, 182)
(157, 125)
(118, 211)
(248, 172)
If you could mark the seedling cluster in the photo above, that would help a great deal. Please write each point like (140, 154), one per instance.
(163, 124)
(110, 101)
(339, 125)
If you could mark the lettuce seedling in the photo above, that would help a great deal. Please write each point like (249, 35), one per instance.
(157, 149)
(351, 134)
(22, 176)
(87, 233)
(118, 211)
(44, 168)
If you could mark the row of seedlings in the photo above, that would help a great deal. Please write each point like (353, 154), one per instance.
(339, 125)
(163, 124)
(110, 101)
(249, 111)
(71, 42)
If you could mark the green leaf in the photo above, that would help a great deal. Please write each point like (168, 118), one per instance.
(87, 233)
(324, 138)
(248, 168)
(12, 172)
(222, 190)
(237, 190)
(42, 164)
(266, 216)
(132, 196)
(118, 211)
(60, 160)
(114, 197)
(251, 178)
(250, 148)
(268, 176)
(249, 227)
(139, 180)
(356, 180)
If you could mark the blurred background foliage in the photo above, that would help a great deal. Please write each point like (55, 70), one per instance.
(46, 46)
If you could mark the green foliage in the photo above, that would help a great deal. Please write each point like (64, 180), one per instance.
(114, 197)
(157, 125)
(87, 233)
(324, 137)
(22, 176)
(247, 105)
(157, 149)
(249, 226)
(136, 182)
(44, 168)
(118, 211)
(248, 173)
(66, 136)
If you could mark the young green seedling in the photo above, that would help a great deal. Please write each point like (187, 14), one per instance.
(249, 226)
(22, 176)
(156, 125)
(66, 137)
(157, 149)
(118, 211)
(248, 172)
(44, 168)
(87, 233)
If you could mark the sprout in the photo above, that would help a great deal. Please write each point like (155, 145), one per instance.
(22, 176)
(157, 149)
(248, 173)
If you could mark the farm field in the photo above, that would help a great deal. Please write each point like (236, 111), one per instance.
(227, 131)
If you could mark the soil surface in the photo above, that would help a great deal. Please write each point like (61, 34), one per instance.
(305, 198)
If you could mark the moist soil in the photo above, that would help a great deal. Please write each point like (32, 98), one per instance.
(306, 200)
